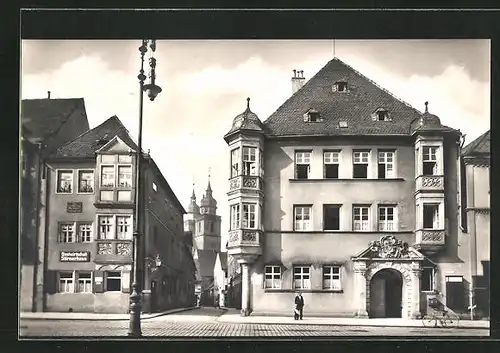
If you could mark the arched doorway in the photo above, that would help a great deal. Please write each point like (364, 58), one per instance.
(386, 291)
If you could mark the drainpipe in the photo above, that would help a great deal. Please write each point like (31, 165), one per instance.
(471, 215)
(36, 214)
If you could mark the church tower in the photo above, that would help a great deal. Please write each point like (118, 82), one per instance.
(193, 211)
(207, 233)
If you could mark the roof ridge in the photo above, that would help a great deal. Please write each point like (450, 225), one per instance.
(475, 143)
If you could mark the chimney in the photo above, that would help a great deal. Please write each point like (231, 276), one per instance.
(297, 80)
(48, 94)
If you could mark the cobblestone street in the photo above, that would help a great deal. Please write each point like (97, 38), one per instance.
(203, 323)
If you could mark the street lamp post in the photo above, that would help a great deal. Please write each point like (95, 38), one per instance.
(152, 90)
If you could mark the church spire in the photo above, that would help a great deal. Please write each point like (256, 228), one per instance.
(193, 195)
(209, 187)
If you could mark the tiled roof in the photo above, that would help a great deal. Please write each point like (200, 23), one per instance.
(247, 120)
(206, 259)
(87, 143)
(43, 118)
(354, 107)
(481, 145)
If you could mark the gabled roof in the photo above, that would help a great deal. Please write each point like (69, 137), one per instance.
(85, 145)
(479, 146)
(206, 259)
(42, 119)
(355, 107)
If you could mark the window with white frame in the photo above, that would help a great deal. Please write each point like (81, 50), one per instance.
(67, 233)
(113, 281)
(331, 277)
(124, 227)
(108, 175)
(429, 159)
(105, 224)
(248, 219)
(273, 277)
(85, 232)
(66, 282)
(249, 161)
(235, 162)
(84, 282)
(125, 176)
(361, 218)
(386, 165)
(360, 164)
(86, 181)
(331, 164)
(302, 164)
(302, 215)
(235, 216)
(64, 182)
(427, 279)
(301, 277)
(386, 218)
(431, 216)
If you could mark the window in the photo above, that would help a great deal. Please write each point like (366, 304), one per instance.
(125, 176)
(331, 277)
(431, 216)
(248, 220)
(67, 233)
(66, 282)
(249, 161)
(386, 218)
(360, 165)
(331, 217)
(86, 181)
(361, 218)
(273, 277)
(107, 176)
(105, 227)
(235, 162)
(84, 282)
(382, 115)
(302, 217)
(85, 232)
(427, 279)
(331, 162)
(312, 116)
(340, 86)
(211, 226)
(123, 227)
(199, 227)
(429, 160)
(301, 277)
(113, 281)
(302, 165)
(385, 165)
(64, 182)
(124, 158)
(235, 216)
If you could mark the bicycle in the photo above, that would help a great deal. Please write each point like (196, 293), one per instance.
(443, 317)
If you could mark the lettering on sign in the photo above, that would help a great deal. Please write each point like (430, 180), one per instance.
(74, 207)
(74, 256)
(98, 280)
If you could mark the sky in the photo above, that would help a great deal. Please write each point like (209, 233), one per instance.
(206, 82)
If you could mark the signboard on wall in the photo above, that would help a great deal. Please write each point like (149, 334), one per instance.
(74, 207)
(74, 256)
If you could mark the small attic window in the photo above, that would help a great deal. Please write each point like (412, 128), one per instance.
(343, 124)
(381, 114)
(313, 116)
(340, 86)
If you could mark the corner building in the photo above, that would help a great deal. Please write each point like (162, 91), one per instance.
(348, 195)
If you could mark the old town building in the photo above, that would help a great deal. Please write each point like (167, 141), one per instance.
(86, 226)
(205, 226)
(475, 220)
(348, 195)
(45, 125)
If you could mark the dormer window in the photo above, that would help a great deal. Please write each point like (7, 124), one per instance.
(340, 86)
(313, 116)
(381, 114)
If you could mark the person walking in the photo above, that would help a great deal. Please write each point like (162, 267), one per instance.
(299, 306)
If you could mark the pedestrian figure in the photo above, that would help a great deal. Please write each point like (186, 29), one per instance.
(299, 306)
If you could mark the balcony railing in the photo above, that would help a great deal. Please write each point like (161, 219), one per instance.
(110, 250)
(430, 240)
(251, 182)
(244, 237)
(430, 182)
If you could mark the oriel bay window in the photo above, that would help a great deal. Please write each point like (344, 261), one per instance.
(248, 220)
(386, 165)
(430, 161)
(302, 164)
(302, 216)
(114, 227)
(360, 164)
(361, 218)
(386, 218)
(273, 277)
(235, 216)
(123, 227)
(331, 217)
(108, 176)
(125, 176)
(331, 277)
(64, 182)
(331, 164)
(86, 181)
(301, 277)
(249, 161)
(235, 162)
(431, 216)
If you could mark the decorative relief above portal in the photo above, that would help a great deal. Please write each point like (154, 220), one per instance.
(389, 247)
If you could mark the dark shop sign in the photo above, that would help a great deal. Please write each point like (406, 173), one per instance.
(74, 256)
(74, 207)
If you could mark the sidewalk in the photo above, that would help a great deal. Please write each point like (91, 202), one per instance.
(94, 316)
(233, 316)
